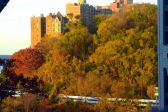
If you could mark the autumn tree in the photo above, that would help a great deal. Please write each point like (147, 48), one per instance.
(78, 42)
(93, 25)
(45, 46)
(25, 103)
(142, 15)
(26, 62)
(122, 53)
(113, 28)
(53, 73)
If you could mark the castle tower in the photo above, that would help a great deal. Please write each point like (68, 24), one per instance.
(82, 1)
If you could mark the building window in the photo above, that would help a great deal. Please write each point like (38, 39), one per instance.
(165, 72)
(166, 18)
(165, 39)
(165, 85)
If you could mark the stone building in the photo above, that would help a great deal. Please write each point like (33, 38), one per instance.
(102, 10)
(118, 4)
(115, 7)
(38, 29)
(55, 24)
(85, 11)
(50, 26)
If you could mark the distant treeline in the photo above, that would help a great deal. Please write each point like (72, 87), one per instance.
(5, 56)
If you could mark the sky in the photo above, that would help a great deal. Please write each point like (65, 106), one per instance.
(15, 20)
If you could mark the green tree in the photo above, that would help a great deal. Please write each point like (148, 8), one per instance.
(78, 42)
(93, 25)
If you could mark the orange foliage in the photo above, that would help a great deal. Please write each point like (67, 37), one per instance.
(26, 61)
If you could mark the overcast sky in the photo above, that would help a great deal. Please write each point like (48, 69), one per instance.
(15, 19)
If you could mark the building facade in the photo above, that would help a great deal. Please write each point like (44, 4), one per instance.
(38, 29)
(55, 24)
(87, 12)
(50, 26)
(115, 6)
(118, 4)
(102, 10)
(163, 54)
